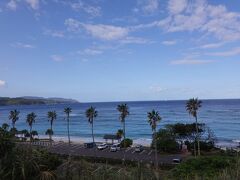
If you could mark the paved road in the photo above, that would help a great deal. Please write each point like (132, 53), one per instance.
(147, 155)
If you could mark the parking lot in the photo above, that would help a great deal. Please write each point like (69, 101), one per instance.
(146, 155)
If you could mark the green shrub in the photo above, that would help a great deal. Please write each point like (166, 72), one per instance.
(204, 145)
(6, 143)
(205, 167)
(166, 141)
(128, 142)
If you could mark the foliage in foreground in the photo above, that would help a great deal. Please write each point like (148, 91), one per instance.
(19, 162)
(204, 167)
(99, 171)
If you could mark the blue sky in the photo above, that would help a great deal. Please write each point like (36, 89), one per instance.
(111, 50)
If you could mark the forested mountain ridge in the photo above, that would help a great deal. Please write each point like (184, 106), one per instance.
(4, 101)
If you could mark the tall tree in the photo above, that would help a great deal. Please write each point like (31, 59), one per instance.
(91, 114)
(49, 132)
(192, 106)
(30, 120)
(52, 115)
(124, 112)
(14, 116)
(67, 111)
(5, 126)
(119, 133)
(153, 119)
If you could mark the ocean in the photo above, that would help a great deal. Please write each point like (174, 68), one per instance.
(222, 116)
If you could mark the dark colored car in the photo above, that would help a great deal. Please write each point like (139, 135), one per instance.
(89, 145)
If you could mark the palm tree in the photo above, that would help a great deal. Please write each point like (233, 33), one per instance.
(192, 107)
(67, 111)
(119, 133)
(91, 113)
(50, 133)
(153, 119)
(34, 133)
(14, 116)
(52, 115)
(30, 120)
(124, 112)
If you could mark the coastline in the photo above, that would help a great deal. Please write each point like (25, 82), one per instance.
(80, 140)
(139, 141)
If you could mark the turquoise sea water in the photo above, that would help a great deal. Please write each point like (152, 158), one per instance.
(222, 116)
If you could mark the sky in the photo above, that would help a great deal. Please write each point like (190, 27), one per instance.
(120, 50)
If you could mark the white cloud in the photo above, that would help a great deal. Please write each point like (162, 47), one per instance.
(33, 3)
(203, 17)
(135, 10)
(169, 43)
(22, 45)
(232, 52)
(90, 51)
(54, 33)
(73, 25)
(190, 62)
(106, 32)
(150, 6)
(192, 16)
(100, 31)
(12, 5)
(157, 88)
(211, 45)
(91, 10)
(135, 40)
(177, 6)
(190, 21)
(146, 7)
(57, 58)
(2, 83)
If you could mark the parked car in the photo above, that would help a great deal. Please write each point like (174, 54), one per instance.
(115, 147)
(176, 161)
(102, 146)
(139, 148)
(89, 145)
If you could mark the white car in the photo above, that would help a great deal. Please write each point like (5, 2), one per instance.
(115, 147)
(102, 146)
(138, 148)
(177, 161)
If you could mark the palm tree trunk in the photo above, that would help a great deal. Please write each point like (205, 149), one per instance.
(13, 173)
(155, 141)
(198, 144)
(92, 133)
(30, 135)
(68, 131)
(124, 142)
(69, 154)
(124, 134)
(50, 137)
(194, 148)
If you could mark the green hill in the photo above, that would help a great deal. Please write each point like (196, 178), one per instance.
(4, 101)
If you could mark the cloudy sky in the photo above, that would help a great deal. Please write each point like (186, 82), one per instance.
(110, 50)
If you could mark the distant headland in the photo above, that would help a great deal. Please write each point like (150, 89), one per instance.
(31, 100)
